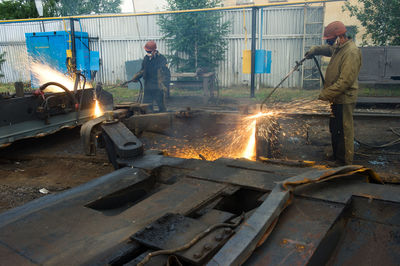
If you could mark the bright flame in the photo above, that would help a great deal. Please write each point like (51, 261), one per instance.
(270, 113)
(249, 152)
(44, 73)
(97, 110)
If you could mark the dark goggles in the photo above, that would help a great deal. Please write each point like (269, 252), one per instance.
(149, 52)
(330, 41)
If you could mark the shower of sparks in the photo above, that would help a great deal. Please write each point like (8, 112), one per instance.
(254, 117)
(250, 150)
(237, 142)
(97, 110)
(44, 73)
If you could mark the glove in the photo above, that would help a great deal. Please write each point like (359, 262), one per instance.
(136, 77)
(309, 54)
(321, 97)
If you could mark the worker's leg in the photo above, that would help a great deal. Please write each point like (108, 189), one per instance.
(348, 132)
(159, 98)
(148, 98)
(336, 129)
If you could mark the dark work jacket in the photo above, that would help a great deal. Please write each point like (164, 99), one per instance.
(153, 72)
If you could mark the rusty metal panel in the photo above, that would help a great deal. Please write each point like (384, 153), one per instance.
(172, 231)
(242, 244)
(368, 243)
(300, 230)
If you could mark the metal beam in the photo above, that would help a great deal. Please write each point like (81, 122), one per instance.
(293, 3)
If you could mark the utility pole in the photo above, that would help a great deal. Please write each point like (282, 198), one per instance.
(253, 49)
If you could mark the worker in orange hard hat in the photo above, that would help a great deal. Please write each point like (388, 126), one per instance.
(156, 76)
(340, 87)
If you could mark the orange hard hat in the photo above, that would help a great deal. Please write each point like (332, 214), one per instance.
(150, 46)
(334, 29)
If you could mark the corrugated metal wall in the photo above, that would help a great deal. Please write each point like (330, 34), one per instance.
(118, 40)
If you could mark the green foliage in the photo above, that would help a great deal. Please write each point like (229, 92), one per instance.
(2, 60)
(122, 94)
(73, 8)
(15, 9)
(380, 18)
(352, 32)
(196, 40)
(11, 9)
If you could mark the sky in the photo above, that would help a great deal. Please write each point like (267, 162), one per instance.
(142, 5)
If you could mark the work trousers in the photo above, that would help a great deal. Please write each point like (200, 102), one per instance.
(342, 132)
(154, 95)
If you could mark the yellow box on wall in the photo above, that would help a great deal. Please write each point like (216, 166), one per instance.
(246, 62)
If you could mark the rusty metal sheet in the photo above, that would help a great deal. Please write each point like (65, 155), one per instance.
(376, 210)
(368, 243)
(7, 254)
(169, 231)
(215, 216)
(44, 234)
(342, 190)
(296, 237)
(242, 244)
(237, 172)
(172, 231)
(154, 261)
(259, 180)
(316, 176)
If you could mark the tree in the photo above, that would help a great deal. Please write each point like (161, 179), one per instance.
(72, 8)
(15, 9)
(11, 9)
(381, 19)
(196, 40)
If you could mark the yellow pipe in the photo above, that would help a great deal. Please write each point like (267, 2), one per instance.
(173, 12)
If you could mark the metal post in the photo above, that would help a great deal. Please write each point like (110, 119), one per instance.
(304, 43)
(73, 44)
(253, 49)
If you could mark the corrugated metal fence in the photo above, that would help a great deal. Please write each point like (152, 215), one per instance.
(118, 40)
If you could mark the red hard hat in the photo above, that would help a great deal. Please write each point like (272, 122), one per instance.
(334, 29)
(150, 46)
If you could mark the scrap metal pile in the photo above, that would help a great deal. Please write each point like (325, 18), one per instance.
(157, 210)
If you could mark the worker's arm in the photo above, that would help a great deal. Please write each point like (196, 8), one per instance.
(348, 74)
(139, 74)
(325, 50)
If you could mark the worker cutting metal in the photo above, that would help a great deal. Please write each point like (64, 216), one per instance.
(156, 76)
(340, 87)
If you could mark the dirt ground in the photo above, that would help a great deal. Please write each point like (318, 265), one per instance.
(32, 168)
(53, 163)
